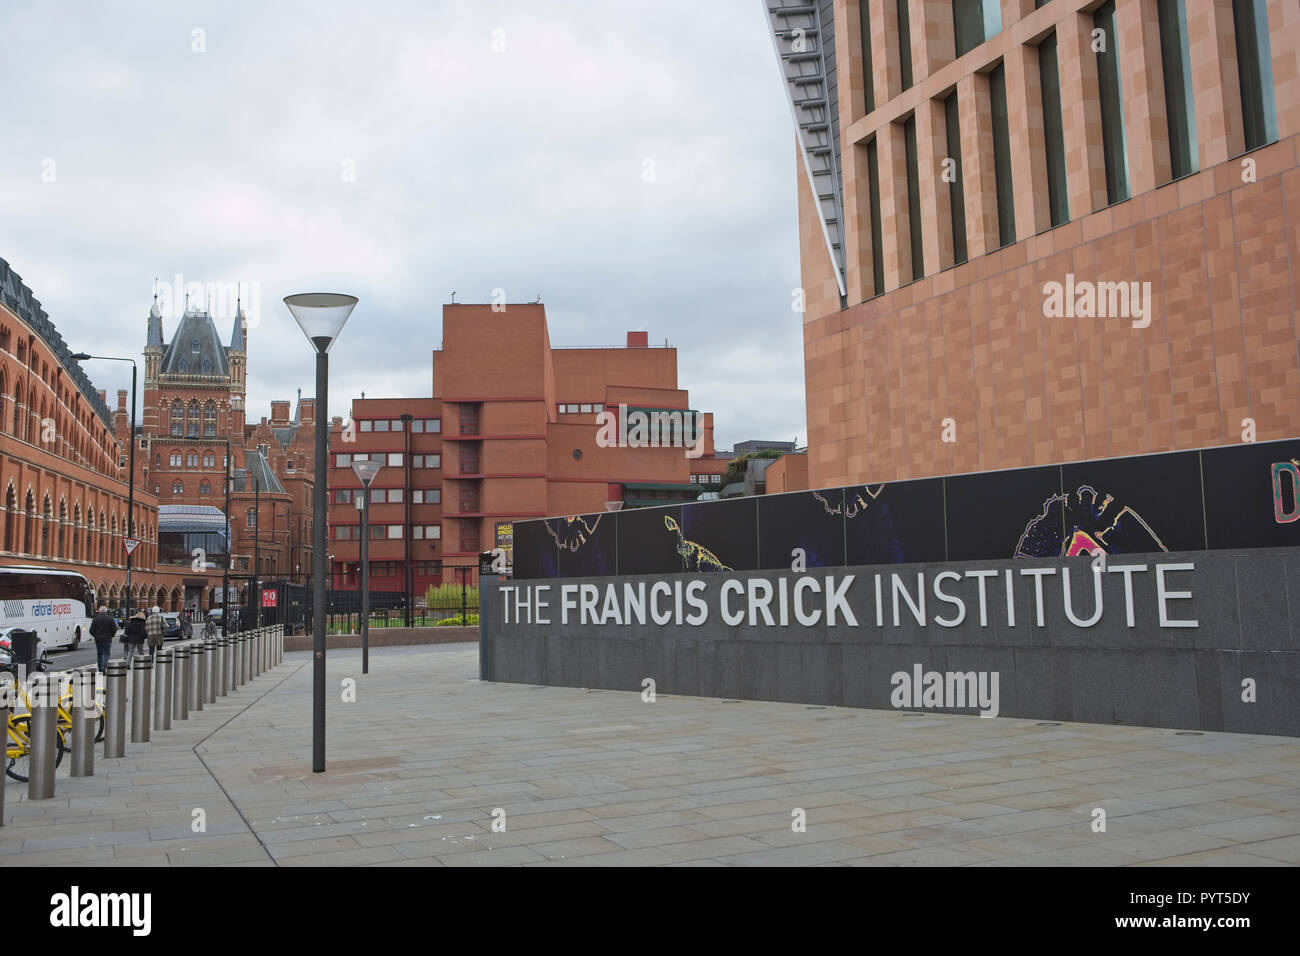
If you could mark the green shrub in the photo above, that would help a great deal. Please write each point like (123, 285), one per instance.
(448, 596)
(457, 622)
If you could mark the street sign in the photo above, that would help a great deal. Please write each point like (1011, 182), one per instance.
(130, 544)
(269, 598)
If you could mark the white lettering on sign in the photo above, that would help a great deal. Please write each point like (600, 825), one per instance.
(946, 598)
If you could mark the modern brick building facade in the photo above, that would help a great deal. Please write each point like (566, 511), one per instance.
(513, 430)
(999, 153)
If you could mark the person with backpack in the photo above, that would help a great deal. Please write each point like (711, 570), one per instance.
(133, 636)
(103, 628)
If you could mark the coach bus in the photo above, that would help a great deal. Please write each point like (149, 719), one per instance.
(57, 605)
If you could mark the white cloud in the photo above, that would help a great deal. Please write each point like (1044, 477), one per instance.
(475, 169)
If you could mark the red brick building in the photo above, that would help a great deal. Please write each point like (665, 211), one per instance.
(513, 430)
(194, 409)
(63, 478)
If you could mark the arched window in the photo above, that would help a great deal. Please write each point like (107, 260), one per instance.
(177, 419)
(183, 365)
(63, 523)
(29, 525)
(47, 513)
(157, 460)
(178, 488)
(209, 410)
(175, 459)
(209, 460)
(76, 531)
(250, 518)
(206, 366)
(194, 345)
(205, 488)
(192, 460)
(12, 517)
(192, 418)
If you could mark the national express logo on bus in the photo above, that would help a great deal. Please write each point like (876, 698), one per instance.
(51, 609)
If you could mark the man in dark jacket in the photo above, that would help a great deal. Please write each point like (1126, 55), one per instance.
(133, 636)
(103, 628)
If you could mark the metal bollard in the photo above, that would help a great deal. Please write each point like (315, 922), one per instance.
(259, 653)
(83, 723)
(243, 657)
(42, 737)
(232, 652)
(279, 646)
(115, 709)
(4, 719)
(201, 654)
(141, 712)
(255, 654)
(162, 698)
(217, 669)
(184, 677)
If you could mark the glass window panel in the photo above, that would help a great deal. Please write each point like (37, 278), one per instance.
(1255, 69)
(913, 198)
(1053, 134)
(1179, 112)
(956, 192)
(1114, 148)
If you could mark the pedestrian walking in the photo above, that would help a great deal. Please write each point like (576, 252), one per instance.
(153, 629)
(133, 636)
(103, 628)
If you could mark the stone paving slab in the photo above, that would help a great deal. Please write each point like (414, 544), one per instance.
(427, 758)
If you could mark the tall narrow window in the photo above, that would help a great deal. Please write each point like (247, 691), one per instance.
(1053, 134)
(974, 21)
(877, 248)
(956, 195)
(868, 87)
(913, 197)
(1002, 156)
(1113, 144)
(1255, 68)
(1181, 116)
(904, 45)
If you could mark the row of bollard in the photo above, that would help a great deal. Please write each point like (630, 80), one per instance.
(171, 686)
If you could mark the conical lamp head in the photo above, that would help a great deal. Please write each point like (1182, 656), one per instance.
(366, 470)
(321, 315)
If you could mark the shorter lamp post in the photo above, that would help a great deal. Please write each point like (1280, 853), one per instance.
(366, 471)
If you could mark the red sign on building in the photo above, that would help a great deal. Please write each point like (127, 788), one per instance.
(269, 598)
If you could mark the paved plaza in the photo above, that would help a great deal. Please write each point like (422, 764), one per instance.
(427, 757)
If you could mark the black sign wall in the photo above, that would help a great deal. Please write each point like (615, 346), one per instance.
(1238, 496)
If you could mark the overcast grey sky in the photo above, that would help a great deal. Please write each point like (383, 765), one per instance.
(633, 163)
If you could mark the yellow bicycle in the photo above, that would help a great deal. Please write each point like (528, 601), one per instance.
(18, 739)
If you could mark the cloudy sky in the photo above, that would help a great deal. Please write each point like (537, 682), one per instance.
(632, 163)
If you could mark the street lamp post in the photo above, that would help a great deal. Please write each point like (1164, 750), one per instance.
(321, 316)
(225, 571)
(366, 471)
(130, 486)
(257, 551)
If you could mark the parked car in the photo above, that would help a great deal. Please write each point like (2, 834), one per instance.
(172, 629)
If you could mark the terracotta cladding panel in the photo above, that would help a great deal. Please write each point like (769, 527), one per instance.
(1222, 258)
(1272, 378)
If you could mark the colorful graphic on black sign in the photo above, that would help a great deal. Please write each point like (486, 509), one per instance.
(1077, 523)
